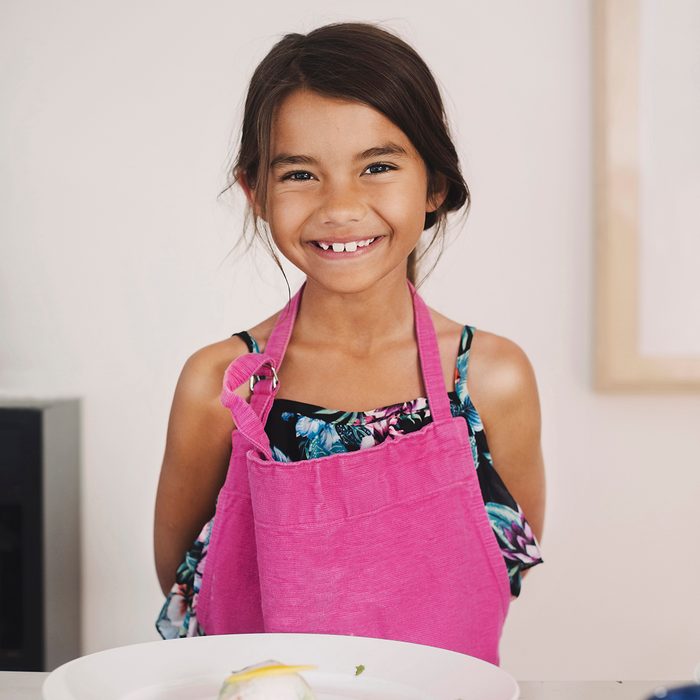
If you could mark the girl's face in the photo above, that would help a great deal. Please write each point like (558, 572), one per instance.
(347, 191)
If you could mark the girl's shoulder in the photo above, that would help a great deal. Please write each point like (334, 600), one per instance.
(500, 372)
(499, 369)
(205, 368)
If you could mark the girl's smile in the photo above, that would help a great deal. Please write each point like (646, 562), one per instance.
(346, 250)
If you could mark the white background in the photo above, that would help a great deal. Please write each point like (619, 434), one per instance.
(117, 125)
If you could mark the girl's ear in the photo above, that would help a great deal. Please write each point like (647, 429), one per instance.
(249, 193)
(435, 202)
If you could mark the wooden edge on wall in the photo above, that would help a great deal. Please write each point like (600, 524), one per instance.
(618, 363)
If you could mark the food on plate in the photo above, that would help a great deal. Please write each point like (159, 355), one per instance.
(268, 680)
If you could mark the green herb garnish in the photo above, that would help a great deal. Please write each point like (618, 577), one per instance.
(359, 669)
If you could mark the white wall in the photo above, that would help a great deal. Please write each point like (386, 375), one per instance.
(115, 136)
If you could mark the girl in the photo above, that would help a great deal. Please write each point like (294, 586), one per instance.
(354, 493)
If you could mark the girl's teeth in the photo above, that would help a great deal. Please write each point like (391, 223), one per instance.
(349, 247)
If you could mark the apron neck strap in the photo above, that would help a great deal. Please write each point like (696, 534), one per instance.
(429, 353)
(428, 350)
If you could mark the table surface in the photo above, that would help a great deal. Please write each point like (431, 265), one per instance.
(27, 686)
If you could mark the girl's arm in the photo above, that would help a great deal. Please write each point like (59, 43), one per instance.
(197, 452)
(504, 391)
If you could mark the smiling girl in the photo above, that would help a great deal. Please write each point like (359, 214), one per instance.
(357, 463)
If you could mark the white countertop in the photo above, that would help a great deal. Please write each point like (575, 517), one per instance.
(27, 686)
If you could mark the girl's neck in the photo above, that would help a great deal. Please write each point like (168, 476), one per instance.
(363, 322)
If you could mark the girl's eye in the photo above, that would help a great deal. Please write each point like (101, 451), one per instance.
(381, 165)
(292, 175)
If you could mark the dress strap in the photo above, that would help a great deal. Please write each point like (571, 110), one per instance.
(465, 343)
(248, 339)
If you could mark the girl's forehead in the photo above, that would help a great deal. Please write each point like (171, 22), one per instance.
(308, 121)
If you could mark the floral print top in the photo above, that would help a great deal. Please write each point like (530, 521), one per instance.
(299, 431)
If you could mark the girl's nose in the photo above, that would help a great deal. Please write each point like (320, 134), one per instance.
(342, 203)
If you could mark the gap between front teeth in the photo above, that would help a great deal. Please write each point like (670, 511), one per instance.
(349, 247)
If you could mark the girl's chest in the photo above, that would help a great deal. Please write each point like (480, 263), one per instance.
(338, 380)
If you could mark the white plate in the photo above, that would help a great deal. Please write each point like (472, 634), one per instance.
(194, 668)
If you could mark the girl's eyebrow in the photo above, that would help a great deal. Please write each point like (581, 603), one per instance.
(387, 149)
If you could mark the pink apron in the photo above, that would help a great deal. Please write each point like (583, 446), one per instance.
(391, 541)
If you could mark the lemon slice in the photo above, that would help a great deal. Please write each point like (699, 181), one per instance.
(269, 670)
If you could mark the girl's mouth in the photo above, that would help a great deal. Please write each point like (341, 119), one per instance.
(351, 249)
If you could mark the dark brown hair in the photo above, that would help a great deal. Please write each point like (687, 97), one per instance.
(361, 62)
